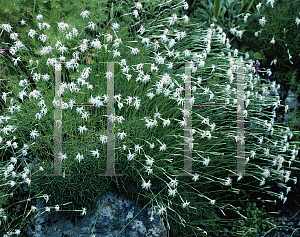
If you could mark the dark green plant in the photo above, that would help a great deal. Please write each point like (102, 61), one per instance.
(282, 25)
(200, 196)
(256, 223)
(228, 14)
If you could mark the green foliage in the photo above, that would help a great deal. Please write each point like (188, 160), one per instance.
(217, 7)
(84, 186)
(228, 16)
(247, 5)
(282, 26)
(256, 223)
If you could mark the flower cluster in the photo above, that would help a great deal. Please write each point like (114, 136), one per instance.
(153, 111)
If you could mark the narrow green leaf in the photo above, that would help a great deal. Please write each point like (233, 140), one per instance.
(217, 8)
(246, 5)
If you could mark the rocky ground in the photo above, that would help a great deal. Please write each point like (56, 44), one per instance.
(287, 221)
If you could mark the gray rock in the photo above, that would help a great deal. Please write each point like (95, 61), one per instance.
(292, 101)
(282, 219)
(115, 216)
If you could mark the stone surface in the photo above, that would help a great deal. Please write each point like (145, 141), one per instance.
(115, 216)
(292, 101)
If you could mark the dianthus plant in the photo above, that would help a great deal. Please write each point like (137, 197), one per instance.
(152, 65)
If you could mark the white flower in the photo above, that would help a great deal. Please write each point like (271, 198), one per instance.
(206, 161)
(232, 31)
(295, 180)
(45, 25)
(146, 185)
(287, 176)
(240, 33)
(95, 153)
(253, 154)
(81, 129)
(34, 133)
(39, 17)
(103, 138)
(46, 77)
(56, 207)
(166, 122)
(63, 49)
(286, 108)
(122, 135)
(258, 6)
(272, 41)
(46, 50)
(174, 183)
(284, 200)
(22, 22)
(262, 21)
(228, 181)
(109, 75)
(266, 173)
(163, 147)
(85, 115)
(139, 6)
(84, 14)
(138, 148)
(186, 203)
(33, 208)
(116, 53)
(195, 177)
(135, 13)
(262, 182)
(172, 192)
(79, 157)
(261, 140)
(149, 161)
(83, 211)
(91, 25)
(271, 2)
(246, 17)
(240, 176)
(13, 160)
(281, 196)
(186, 18)
(212, 202)
(130, 156)
(62, 26)
(14, 36)
(16, 61)
(115, 26)
(297, 21)
(36, 77)
(43, 38)
(149, 170)
(185, 5)
(7, 27)
(12, 183)
(75, 32)
(161, 210)
(31, 33)
(135, 51)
